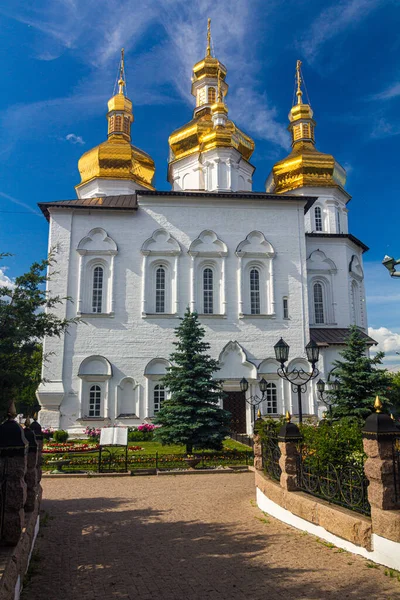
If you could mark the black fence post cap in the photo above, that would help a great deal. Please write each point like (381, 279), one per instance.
(12, 435)
(380, 425)
(37, 430)
(289, 432)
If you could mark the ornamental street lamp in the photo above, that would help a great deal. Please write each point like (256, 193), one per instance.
(327, 398)
(298, 378)
(389, 262)
(255, 400)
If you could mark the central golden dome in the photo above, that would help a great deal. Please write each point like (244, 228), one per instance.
(117, 158)
(305, 165)
(201, 134)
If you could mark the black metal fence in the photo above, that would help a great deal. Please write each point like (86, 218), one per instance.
(117, 460)
(345, 485)
(270, 456)
(242, 438)
(3, 488)
(396, 469)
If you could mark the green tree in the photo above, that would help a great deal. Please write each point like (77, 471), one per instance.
(360, 379)
(393, 393)
(26, 317)
(191, 415)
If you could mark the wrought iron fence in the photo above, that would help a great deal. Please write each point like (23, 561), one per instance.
(3, 488)
(271, 455)
(116, 460)
(242, 438)
(396, 468)
(345, 485)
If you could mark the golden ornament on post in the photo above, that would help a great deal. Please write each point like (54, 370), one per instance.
(288, 416)
(378, 405)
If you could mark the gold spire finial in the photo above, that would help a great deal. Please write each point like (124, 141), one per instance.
(288, 416)
(259, 414)
(121, 81)
(12, 411)
(299, 93)
(208, 51)
(392, 416)
(378, 405)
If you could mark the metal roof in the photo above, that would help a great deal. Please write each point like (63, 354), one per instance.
(349, 236)
(126, 202)
(326, 336)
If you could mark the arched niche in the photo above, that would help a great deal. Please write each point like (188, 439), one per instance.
(355, 268)
(208, 244)
(269, 366)
(255, 245)
(97, 241)
(318, 262)
(157, 367)
(234, 363)
(96, 367)
(128, 398)
(161, 243)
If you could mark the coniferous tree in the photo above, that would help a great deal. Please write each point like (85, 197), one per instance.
(359, 377)
(191, 416)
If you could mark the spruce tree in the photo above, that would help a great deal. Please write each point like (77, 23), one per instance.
(191, 416)
(359, 377)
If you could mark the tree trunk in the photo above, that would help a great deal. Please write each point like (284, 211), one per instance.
(189, 448)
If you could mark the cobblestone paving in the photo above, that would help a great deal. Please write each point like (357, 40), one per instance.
(187, 537)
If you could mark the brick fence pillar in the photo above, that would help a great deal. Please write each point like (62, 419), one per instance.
(257, 449)
(379, 433)
(13, 464)
(288, 438)
(31, 470)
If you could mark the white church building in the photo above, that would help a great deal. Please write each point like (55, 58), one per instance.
(256, 266)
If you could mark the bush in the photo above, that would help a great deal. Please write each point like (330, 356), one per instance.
(93, 434)
(338, 443)
(60, 436)
(137, 435)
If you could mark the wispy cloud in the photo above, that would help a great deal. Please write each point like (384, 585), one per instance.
(5, 281)
(75, 139)
(180, 29)
(335, 20)
(392, 91)
(19, 202)
(383, 128)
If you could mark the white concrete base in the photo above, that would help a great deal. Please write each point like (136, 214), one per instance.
(385, 552)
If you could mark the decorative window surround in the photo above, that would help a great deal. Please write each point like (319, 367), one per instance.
(154, 372)
(161, 250)
(322, 270)
(97, 249)
(256, 252)
(356, 291)
(208, 251)
(94, 370)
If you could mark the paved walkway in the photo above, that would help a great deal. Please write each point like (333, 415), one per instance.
(197, 537)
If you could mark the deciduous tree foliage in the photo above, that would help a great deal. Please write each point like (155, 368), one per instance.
(191, 415)
(360, 379)
(26, 317)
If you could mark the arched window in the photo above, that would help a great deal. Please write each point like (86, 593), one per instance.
(97, 290)
(271, 399)
(318, 303)
(94, 401)
(208, 291)
(255, 307)
(318, 218)
(158, 397)
(160, 290)
(211, 95)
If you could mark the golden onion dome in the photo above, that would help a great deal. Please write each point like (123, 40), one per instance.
(305, 165)
(117, 158)
(210, 128)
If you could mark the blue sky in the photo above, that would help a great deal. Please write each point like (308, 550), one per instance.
(59, 64)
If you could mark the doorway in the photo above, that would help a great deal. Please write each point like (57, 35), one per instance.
(235, 403)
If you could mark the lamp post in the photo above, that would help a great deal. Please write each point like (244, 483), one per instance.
(298, 378)
(389, 262)
(326, 399)
(254, 400)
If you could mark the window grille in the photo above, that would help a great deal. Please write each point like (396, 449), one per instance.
(255, 307)
(318, 303)
(318, 218)
(208, 292)
(160, 290)
(211, 95)
(271, 399)
(94, 401)
(158, 397)
(118, 123)
(306, 130)
(126, 125)
(97, 292)
(285, 308)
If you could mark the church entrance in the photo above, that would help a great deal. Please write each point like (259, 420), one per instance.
(235, 402)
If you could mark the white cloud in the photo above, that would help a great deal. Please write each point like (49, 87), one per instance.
(383, 128)
(75, 139)
(179, 30)
(5, 281)
(390, 92)
(388, 341)
(20, 203)
(335, 20)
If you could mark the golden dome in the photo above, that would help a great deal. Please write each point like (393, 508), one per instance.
(206, 131)
(305, 165)
(117, 158)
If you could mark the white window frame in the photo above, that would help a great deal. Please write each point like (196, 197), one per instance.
(318, 219)
(320, 310)
(255, 290)
(160, 289)
(161, 392)
(208, 290)
(95, 388)
(271, 399)
(285, 307)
